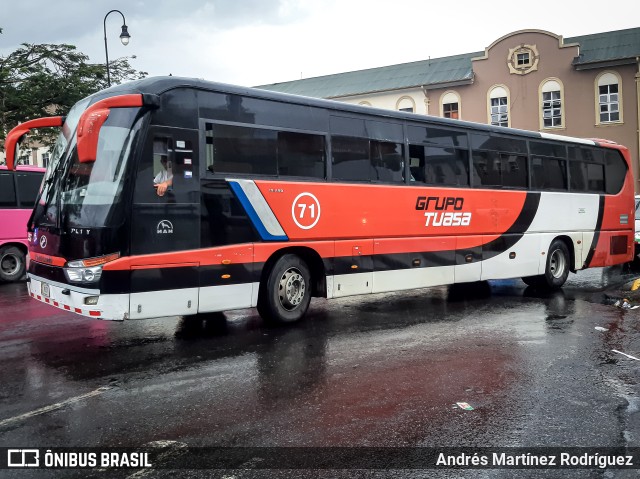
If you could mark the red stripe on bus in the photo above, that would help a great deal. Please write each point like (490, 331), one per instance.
(348, 211)
(262, 251)
(47, 259)
(67, 307)
(164, 265)
(239, 254)
(78, 310)
(94, 313)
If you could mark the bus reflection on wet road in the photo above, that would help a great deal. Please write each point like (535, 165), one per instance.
(380, 370)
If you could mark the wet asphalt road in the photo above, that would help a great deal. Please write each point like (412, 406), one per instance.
(380, 370)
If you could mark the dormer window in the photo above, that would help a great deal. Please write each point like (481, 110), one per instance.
(523, 59)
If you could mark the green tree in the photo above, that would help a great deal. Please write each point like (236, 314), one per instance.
(47, 79)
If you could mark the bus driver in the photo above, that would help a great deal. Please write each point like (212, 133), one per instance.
(164, 178)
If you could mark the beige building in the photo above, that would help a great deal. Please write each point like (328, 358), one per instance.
(35, 155)
(587, 86)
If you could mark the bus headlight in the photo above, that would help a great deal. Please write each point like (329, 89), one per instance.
(87, 270)
(83, 275)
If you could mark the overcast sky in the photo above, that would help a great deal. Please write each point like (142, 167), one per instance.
(254, 42)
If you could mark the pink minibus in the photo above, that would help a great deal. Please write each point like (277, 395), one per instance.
(18, 192)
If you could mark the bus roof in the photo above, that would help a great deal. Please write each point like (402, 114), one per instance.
(163, 84)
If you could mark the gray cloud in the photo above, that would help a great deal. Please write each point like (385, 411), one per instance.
(66, 21)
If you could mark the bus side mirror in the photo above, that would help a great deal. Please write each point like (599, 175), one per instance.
(88, 134)
(93, 118)
(15, 135)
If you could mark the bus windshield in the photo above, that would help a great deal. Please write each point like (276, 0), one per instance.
(60, 147)
(85, 194)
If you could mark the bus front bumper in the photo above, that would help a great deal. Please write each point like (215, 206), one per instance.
(86, 302)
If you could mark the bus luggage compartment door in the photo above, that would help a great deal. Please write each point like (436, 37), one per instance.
(468, 267)
(163, 290)
(353, 268)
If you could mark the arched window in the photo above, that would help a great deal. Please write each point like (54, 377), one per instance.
(608, 98)
(499, 106)
(551, 104)
(450, 105)
(407, 104)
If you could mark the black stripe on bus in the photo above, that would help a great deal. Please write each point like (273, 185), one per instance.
(517, 229)
(237, 274)
(423, 259)
(158, 279)
(596, 235)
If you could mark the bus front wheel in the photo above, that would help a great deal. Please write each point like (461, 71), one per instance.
(12, 263)
(556, 270)
(286, 295)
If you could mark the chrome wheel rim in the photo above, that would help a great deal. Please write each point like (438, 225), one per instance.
(291, 289)
(557, 264)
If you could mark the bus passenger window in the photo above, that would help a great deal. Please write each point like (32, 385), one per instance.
(616, 172)
(500, 169)
(301, 154)
(240, 149)
(595, 177)
(350, 158)
(28, 188)
(513, 170)
(7, 191)
(577, 172)
(447, 166)
(387, 161)
(416, 163)
(548, 173)
(483, 166)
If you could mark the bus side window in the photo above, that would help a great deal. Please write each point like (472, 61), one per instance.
(387, 161)
(7, 191)
(416, 163)
(28, 188)
(301, 154)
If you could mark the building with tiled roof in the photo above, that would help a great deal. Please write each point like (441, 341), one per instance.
(586, 86)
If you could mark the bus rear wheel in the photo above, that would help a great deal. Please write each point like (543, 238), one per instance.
(556, 270)
(12, 263)
(286, 295)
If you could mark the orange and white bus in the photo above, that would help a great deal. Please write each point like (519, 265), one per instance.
(173, 196)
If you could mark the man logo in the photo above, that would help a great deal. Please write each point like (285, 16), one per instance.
(43, 241)
(23, 458)
(164, 227)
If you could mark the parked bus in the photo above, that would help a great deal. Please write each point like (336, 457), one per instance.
(172, 196)
(18, 192)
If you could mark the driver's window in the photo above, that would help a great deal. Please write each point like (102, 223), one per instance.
(162, 167)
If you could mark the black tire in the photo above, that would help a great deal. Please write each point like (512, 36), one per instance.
(556, 270)
(286, 295)
(12, 263)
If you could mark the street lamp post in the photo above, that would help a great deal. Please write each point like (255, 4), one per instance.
(124, 38)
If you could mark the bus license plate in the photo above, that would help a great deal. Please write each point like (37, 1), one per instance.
(44, 289)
